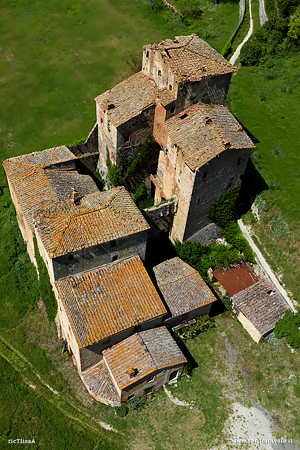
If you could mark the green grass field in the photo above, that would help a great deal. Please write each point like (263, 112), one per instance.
(265, 100)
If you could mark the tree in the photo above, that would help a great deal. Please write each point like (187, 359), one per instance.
(294, 24)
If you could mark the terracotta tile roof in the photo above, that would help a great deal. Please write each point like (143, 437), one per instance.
(108, 300)
(67, 227)
(98, 382)
(146, 352)
(182, 288)
(202, 132)
(128, 98)
(27, 177)
(236, 278)
(192, 59)
(262, 304)
(65, 182)
(165, 96)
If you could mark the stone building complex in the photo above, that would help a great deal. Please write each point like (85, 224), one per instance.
(113, 311)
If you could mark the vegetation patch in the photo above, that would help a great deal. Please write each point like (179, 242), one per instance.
(288, 327)
(126, 164)
(199, 325)
(46, 292)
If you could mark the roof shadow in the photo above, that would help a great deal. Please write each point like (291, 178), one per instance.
(191, 362)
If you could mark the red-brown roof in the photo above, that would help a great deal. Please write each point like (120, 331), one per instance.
(145, 352)
(235, 279)
(105, 301)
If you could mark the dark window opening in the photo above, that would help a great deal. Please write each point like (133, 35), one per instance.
(170, 87)
(148, 390)
(111, 106)
(240, 160)
(159, 73)
(163, 199)
(151, 378)
(173, 375)
(153, 168)
(112, 244)
(204, 176)
(126, 138)
(271, 292)
(172, 110)
(101, 120)
(147, 54)
(236, 309)
(183, 116)
(152, 189)
(115, 257)
(130, 397)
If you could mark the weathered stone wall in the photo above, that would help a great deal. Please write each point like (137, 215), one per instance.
(213, 179)
(160, 217)
(208, 90)
(156, 66)
(99, 255)
(160, 378)
(174, 321)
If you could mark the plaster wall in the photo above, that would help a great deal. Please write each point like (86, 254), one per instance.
(254, 333)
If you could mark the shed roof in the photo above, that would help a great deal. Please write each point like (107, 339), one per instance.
(182, 288)
(128, 98)
(144, 352)
(192, 59)
(105, 301)
(35, 185)
(66, 227)
(235, 279)
(262, 304)
(202, 131)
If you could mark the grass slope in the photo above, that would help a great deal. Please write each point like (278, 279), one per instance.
(273, 122)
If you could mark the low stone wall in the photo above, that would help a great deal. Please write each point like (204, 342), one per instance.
(160, 217)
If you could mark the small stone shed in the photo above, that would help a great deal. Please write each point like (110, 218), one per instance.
(143, 362)
(185, 293)
(258, 308)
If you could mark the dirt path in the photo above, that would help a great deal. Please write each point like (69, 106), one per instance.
(250, 31)
(169, 5)
(265, 266)
(262, 13)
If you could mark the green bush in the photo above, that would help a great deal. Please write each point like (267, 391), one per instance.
(279, 226)
(122, 410)
(140, 194)
(221, 211)
(46, 292)
(202, 324)
(226, 49)
(288, 327)
(127, 165)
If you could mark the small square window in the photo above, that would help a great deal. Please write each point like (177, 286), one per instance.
(115, 258)
(151, 378)
(130, 397)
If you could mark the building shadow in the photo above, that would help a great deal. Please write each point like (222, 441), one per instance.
(191, 362)
(252, 185)
(159, 249)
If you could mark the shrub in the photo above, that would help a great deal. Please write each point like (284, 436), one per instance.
(202, 324)
(261, 205)
(288, 327)
(221, 211)
(122, 410)
(278, 150)
(137, 403)
(297, 389)
(279, 227)
(140, 194)
(226, 49)
(258, 376)
(262, 96)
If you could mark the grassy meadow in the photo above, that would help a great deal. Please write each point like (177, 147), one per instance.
(265, 100)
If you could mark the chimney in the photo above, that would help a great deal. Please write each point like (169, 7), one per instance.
(76, 197)
(132, 372)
